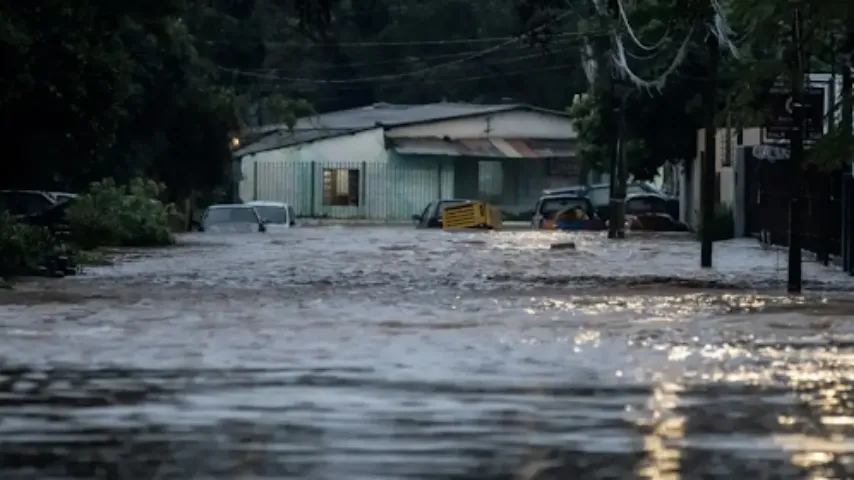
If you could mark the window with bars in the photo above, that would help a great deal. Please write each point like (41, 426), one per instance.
(341, 187)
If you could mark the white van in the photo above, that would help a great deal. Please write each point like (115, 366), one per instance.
(275, 215)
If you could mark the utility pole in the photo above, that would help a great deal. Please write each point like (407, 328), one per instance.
(622, 170)
(827, 185)
(615, 226)
(795, 159)
(613, 156)
(847, 119)
(707, 177)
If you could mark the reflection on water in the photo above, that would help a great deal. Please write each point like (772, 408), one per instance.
(119, 376)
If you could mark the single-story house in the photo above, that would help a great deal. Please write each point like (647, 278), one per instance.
(387, 162)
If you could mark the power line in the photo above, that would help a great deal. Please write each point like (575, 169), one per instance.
(269, 76)
(634, 37)
(422, 71)
(420, 58)
(402, 43)
(551, 68)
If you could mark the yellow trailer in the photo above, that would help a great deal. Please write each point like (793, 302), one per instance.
(474, 215)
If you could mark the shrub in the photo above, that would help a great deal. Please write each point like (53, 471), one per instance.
(25, 249)
(722, 226)
(117, 215)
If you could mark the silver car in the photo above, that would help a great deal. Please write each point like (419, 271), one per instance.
(232, 218)
(275, 215)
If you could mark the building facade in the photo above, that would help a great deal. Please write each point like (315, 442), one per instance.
(386, 162)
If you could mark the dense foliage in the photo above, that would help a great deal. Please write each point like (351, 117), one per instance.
(24, 249)
(99, 89)
(121, 216)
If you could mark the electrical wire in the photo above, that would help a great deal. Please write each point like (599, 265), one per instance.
(474, 56)
(421, 58)
(631, 32)
(271, 76)
(552, 68)
(620, 61)
(403, 43)
(721, 28)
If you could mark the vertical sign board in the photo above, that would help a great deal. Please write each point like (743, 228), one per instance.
(780, 123)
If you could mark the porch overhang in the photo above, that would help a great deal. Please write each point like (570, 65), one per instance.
(486, 147)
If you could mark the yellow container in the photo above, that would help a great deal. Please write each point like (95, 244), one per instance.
(475, 215)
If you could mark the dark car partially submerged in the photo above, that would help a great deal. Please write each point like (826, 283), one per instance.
(431, 216)
(232, 218)
(650, 212)
(565, 211)
(600, 195)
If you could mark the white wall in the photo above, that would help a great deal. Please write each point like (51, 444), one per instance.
(367, 146)
(690, 188)
(514, 124)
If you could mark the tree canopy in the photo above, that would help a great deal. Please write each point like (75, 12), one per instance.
(95, 88)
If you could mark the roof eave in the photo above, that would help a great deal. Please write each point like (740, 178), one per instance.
(335, 133)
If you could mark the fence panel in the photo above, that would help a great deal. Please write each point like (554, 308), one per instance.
(820, 208)
(392, 191)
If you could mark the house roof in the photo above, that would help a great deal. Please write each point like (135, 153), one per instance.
(486, 147)
(276, 139)
(378, 115)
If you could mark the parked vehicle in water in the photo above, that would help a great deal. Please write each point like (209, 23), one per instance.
(431, 216)
(650, 212)
(275, 214)
(25, 202)
(474, 215)
(64, 196)
(565, 212)
(600, 195)
(53, 218)
(232, 218)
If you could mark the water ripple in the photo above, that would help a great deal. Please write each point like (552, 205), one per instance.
(381, 353)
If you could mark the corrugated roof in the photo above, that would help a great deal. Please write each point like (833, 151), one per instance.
(391, 115)
(487, 147)
(285, 138)
(332, 124)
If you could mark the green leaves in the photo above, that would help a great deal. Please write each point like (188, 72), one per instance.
(113, 215)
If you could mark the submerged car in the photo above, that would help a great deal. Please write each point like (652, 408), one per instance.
(600, 195)
(565, 212)
(275, 214)
(21, 203)
(232, 218)
(431, 217)
(650, 212)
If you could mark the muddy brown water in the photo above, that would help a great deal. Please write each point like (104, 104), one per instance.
(387, 353)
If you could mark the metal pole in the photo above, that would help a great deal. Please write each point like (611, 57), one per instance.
(613, 140)
(622, 170)
(797, 146)
(613, 155)
(847, 119)
(707, 178)
(827, 184)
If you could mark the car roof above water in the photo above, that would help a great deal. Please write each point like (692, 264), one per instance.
(229, 205)
(267, 203)
(564, 196)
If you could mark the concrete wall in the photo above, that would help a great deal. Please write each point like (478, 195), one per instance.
(690, 185)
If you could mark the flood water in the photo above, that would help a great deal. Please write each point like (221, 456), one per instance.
(389, 353)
